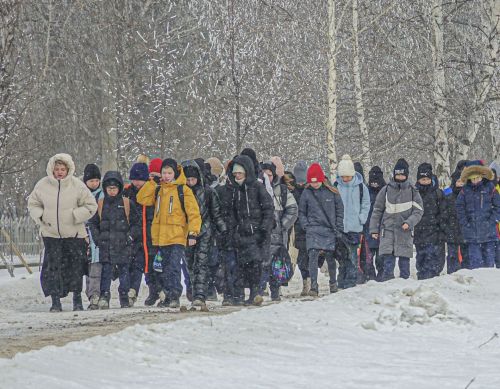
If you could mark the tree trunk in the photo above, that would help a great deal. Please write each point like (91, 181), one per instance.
(490, 36)
(366, 158)
(331, 124)
(441, 147)
(495, 131)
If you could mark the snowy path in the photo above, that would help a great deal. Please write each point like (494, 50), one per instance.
(400, 334)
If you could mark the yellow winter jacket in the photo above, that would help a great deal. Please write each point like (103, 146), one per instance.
(170, 225)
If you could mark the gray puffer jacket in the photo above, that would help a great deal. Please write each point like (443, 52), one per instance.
(396, 204)
(285, 216)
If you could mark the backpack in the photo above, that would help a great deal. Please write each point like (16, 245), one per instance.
(126, 205)
(281, 266)
(180, 193)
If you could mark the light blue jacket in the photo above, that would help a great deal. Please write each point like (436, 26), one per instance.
(94, 250)
(355, 213)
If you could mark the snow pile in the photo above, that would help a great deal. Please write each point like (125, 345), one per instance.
(437, 333)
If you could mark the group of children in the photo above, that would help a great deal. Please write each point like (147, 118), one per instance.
(222, 226)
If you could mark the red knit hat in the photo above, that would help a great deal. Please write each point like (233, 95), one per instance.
(155, 165)
(315, 173)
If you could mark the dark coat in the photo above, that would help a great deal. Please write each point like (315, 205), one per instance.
(285, 216)
(430, 229)
(300, 233)
(396, 204)
(112, 232)
(320, 233)
(252, 216)
(478, 209)
(372, 243)
(226, 194)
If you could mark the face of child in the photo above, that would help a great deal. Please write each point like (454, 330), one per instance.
(112, 191)
(400, 177)
(138, 183)
(167, 174)
(191, 181)
(459, 184)
(60, 171)
(239, 176)
(268, 173)
(289, 181)
(347, 179)
(425, 181)
(316, 185)
(476, 180)
(93, 184)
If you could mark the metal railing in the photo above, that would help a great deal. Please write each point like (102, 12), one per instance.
(24, 235)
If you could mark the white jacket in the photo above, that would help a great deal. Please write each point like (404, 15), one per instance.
(61, 207)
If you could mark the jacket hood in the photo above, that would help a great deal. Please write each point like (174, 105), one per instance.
(479, 170)
(193, 164)
(112, 176)
(357, 179)
(402, 185)
(249, 167)
(66, 158)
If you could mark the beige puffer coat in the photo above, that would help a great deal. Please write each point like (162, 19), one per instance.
(61, 207)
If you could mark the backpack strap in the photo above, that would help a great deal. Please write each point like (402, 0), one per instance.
(180, 192)
(126, 206)
(284, 195)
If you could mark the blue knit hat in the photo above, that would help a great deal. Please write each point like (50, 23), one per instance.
(139, 171)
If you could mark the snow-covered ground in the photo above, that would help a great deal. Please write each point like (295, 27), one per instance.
(439, 333)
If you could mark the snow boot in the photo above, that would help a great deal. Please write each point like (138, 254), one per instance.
(132, 297)
(164, 300)
(124, 301)
(56, 304)
(212, 295)
(198, 302)
(258, 300)
(104, 300)
(94, 303)
(77, 302)
(334, 288)
(227, 302)
(152, 297)
(174, 304)
(306, 287)
(313, 293)
(189, 295)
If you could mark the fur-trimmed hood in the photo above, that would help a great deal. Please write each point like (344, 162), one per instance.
(68, 161)
(479, 170)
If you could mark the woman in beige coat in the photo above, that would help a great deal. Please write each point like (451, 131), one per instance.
(60, 205)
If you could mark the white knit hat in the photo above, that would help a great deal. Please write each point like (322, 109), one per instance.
(346, 167)
(238, 169)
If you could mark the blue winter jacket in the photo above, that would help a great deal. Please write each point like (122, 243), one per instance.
(478, 209)
(355, 212)
(94, 250)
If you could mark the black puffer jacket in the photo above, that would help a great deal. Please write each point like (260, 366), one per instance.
(300, 233)
(452, 229)
(226, 195)
(430, 228)
(145, 219)
(112, 232)
(208, 202)
(252, 215)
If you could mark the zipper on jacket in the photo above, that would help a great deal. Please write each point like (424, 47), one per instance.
(171, 205)
(57, 208)
(481, 200)
(248, 209)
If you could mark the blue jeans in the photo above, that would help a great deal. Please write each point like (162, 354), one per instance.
(348, 267)
(123, 276)
(482, 255)
(313, 267)
(429, 261)
(390, 264)
(230, 272)
(170, 277)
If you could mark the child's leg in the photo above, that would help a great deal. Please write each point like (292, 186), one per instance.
(136, 271)
(200, 268)
(313, 268)
(404, 267)
(303, 263)
(351, 266)
(106, 275)
(94, 280)
(452, 264)
(230, 273)
(239, 285)
(389, 264)
(420, 261)
(489, 254)
(332, 267)
(497, 258)
(124, 278)
(379, 264)
(174, 256)
(475, 256)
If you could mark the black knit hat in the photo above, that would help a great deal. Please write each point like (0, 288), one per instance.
(191, 171)
(268, 165)
(91, 172)
(376, 176)
(172, 163)
(402, 168)
(358, 167)
(424, 171)
(139, 171)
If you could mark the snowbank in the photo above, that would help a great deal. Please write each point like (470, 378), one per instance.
(437, 333)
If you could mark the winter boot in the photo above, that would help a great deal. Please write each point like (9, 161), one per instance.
(124, 301)
(94, 303)
(228, 301)
(198, 302)
(212, 294)
(152, 297)
(275, 294)
(334, 288)
(306, 287)
(164, 300)
(56, 304)
(104, 300)
(132, 297)
(77, 302)
(313, 293)
(174, 304)
(189, 294)
(258, 300)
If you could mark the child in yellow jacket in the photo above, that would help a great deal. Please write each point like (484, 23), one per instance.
(177, 221)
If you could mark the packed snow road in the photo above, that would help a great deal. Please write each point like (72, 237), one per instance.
(439, 333)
